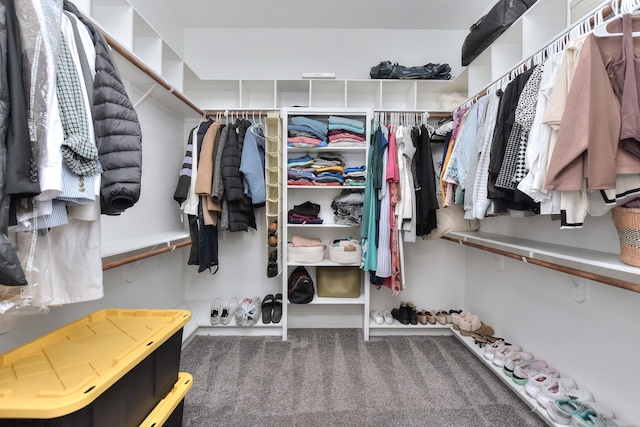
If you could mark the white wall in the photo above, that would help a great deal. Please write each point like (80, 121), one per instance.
(595, 342)
(266, 53)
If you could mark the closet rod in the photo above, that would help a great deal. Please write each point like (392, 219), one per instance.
(148, 71)
(239, 111)
(134, 258)
(624, 284)
(606, 10)
(413, 113)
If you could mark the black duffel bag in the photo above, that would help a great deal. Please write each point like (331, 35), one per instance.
(389, 70)
(489, 27)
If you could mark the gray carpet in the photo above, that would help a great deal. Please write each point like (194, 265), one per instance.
(331, 377)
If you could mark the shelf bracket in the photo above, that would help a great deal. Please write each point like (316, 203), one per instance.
(580, 289)
(143, 97)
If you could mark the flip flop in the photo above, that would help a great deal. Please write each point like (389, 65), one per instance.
(267, 308)
(277, 309)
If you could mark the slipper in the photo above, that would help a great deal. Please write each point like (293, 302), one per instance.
(267, 308)
(277, 309)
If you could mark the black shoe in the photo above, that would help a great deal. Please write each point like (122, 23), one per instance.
(401, 314)
(277, 309)
(267, 308)
(272, 269)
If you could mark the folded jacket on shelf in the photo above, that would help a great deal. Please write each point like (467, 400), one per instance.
(294, 218)
(309, 130)
(300, 161)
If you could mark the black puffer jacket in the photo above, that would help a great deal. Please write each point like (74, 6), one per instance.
(240, 209)
(118, 134)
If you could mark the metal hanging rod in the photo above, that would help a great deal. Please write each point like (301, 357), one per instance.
(413, 113)
(624, 284)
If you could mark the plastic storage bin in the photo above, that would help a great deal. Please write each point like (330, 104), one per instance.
(110, 368)
(168, 413)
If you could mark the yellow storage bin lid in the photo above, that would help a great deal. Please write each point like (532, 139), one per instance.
(67, 369)
(165, 408)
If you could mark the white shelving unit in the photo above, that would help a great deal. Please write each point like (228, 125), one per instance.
(328, 230)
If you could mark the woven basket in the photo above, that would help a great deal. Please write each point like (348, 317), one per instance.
(627, 222)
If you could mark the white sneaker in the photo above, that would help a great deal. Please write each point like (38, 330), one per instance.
(228, 311)
(539, 382)
(216, 311)
(377, 316)
(530, 369)
(388, 318)
(501, 355)
(490, 350)
(562, 388)
(515, 360)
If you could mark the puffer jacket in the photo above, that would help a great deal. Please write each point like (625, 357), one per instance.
(240, 209)
(118, 134)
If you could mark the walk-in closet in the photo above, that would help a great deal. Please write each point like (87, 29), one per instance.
(325, 243)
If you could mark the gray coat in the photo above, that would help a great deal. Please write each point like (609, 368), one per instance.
(118, 134)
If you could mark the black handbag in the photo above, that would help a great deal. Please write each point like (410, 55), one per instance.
(489, 27)
(301, 290)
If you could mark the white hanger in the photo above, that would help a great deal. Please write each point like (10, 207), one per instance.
(626, 6)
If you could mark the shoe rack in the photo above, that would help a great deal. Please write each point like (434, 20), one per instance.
(273, 187)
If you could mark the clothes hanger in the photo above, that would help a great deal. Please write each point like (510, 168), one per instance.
(626, 7)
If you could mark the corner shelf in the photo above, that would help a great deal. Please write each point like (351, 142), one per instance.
(119, 247)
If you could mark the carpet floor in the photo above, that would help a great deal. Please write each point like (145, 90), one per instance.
(331, 377)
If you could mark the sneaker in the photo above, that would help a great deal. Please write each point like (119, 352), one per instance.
(228, 311)
(561, 411)
(500, 356)
(216, 311)
(593, 415)
(377, 317)
(530, 369)
(562, 388)
(490, 350)
(540, 381)
(388, 318)
(516, 359)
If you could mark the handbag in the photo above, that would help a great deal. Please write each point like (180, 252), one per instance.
(490, 26)
(300, 284)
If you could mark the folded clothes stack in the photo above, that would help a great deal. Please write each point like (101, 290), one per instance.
(347, 208)
(355, 176)
(346, 132)
(304, 132)
(326, 169)
(305, 213)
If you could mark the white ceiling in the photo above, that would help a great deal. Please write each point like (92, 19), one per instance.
(385, 14)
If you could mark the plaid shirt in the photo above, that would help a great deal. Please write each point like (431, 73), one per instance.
(78, 151)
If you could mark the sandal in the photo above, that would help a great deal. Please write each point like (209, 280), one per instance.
(277, 309)
(267, 308)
